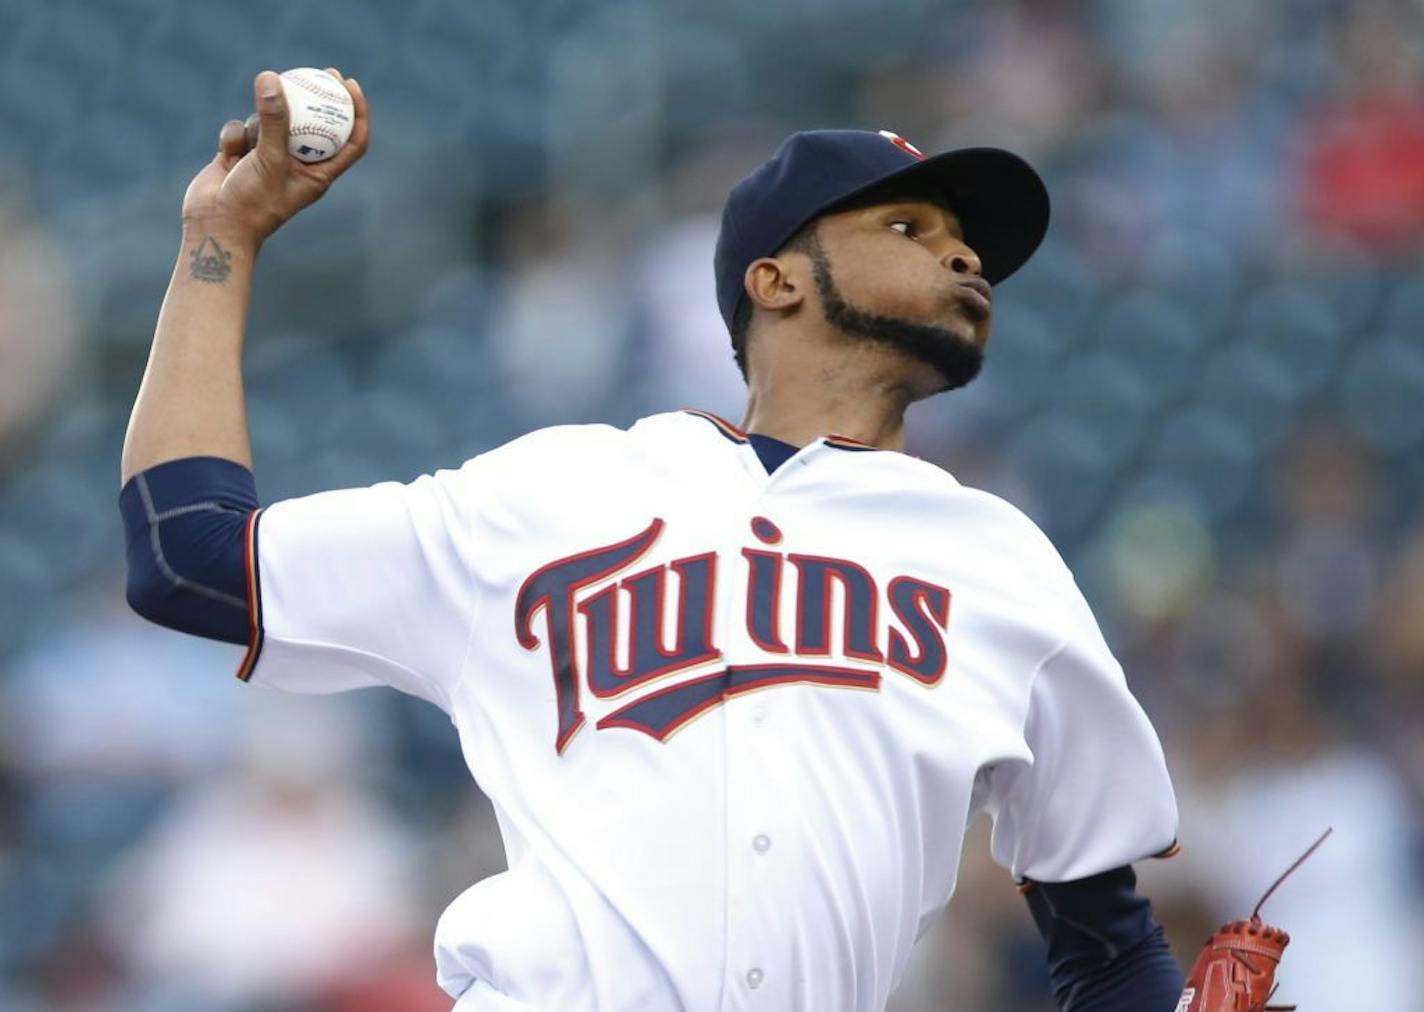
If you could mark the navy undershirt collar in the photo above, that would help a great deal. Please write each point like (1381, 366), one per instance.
(773, 452)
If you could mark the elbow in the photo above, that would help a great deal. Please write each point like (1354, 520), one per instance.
(146, 592)
(186, 569)
(185, 605)
(150, 592)
(144, 586)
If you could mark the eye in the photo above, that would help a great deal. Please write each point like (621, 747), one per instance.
(909, 227)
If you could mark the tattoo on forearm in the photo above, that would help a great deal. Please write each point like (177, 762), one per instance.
(210, 261)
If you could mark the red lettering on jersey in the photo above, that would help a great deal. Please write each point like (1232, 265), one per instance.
(923, 609)
(813, 607)
(588, 584)
(551, 587)
(764, 599)
(648, 658)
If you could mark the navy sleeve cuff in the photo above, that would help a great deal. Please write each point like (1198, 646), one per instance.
(1105, 952)
(187, 531)
(1146, 978)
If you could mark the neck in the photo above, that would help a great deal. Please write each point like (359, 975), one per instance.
(798, 407)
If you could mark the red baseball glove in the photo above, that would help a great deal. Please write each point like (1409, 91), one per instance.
(1236, 970)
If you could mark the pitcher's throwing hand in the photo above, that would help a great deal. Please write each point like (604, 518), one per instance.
(254, 184)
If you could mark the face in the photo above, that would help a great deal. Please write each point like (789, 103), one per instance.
(900, 273)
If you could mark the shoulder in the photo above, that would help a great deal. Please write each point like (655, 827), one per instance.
(552, 441)
(1005, 530)
(1005, 541)
(1013, 522)
(1014, 539)
(651, 433)
(568, 457)
(554, 447)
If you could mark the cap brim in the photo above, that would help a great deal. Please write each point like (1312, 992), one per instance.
(1001, 202)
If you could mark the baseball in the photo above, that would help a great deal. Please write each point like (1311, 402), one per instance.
(320, 111)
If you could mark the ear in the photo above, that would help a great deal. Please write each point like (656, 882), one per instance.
(776, 283)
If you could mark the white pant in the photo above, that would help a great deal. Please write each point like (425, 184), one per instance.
(481, 997)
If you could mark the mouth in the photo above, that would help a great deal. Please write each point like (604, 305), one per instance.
(974, 293)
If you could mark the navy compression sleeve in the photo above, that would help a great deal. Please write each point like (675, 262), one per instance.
(1105, 952)
(186, 529)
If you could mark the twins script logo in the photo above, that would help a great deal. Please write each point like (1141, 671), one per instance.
(902, 144)
(582, 599)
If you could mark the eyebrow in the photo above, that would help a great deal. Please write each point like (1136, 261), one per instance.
(916, 198)
(907, 196)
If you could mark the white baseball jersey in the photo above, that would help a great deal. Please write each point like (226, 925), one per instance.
(733, 724)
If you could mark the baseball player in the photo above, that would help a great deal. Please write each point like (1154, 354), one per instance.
(734, 691)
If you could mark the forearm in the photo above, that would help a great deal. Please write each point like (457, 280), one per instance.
(1146, 978)
(1105, 951)
(191, 401)
(186, 491)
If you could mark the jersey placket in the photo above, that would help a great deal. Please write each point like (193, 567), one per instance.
(759, 844)
(762, 841)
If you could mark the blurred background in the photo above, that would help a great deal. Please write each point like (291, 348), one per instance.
(1207, 387)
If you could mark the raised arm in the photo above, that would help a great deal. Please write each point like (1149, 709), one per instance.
(187, 494)
(190, 403)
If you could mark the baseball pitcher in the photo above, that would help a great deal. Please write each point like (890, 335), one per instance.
(734, 690)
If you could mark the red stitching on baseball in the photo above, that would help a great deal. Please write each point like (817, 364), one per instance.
(318, 89)
(320, 131)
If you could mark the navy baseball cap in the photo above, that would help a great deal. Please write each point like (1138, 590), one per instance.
(1000, 200)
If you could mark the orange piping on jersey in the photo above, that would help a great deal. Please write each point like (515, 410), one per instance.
(737, 435)
(562, 742)
(727, 429)
(850, 440)
(254, 600)
(1172, 851)
(840, 442)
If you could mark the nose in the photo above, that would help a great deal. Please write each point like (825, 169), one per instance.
(963, 260)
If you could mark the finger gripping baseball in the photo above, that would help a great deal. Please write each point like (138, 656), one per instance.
(272, 118)
(1236, 969)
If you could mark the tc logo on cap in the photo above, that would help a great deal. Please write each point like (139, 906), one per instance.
(902, 144)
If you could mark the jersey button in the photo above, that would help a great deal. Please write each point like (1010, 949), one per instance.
(758, 715)
(761, 843)
(754, 976)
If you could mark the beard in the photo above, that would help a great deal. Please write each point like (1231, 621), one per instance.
(956, 359)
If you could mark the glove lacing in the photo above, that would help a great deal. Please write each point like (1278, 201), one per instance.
(1256, 918)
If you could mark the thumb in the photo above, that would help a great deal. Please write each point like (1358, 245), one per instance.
(272, 129)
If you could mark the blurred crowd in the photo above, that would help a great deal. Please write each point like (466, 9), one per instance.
(1207, 387)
